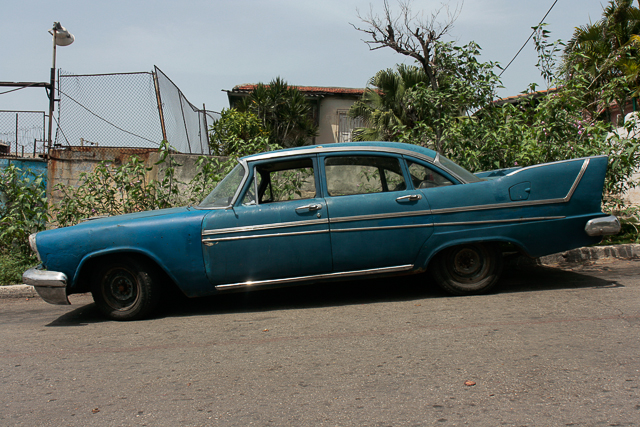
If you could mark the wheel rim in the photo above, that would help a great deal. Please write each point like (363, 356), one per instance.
(120, 289)
(469, 265)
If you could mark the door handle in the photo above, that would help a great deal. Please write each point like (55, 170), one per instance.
(409, 198)
(311, 207)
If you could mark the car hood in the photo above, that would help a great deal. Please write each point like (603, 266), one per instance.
(118, 219)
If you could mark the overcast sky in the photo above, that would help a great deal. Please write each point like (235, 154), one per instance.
(209, 46)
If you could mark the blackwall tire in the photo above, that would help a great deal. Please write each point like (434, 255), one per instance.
(469, 269)
(126, 289)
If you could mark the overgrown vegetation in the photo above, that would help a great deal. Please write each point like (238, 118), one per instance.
(23, 207)
(119, 189)
(283, 112)
(23, 210)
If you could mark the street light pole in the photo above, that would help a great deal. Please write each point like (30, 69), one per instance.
(61, 37)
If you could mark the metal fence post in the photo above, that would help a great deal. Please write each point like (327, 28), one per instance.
(16, 136)
(159, 100)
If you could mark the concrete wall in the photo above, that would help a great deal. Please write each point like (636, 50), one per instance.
(67, 165)
(38, 166)
(328, 118)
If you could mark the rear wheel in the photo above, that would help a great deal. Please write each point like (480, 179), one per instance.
(126, 289)
(467, 269)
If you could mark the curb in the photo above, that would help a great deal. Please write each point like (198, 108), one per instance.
(574, 256)
(17, 291)
(590, 253)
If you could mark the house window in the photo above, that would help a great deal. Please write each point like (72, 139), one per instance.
(346, 125)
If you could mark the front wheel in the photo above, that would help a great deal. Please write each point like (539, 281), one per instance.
(467, 269)
(125, 289)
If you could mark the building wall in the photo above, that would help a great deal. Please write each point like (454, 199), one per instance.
(328, 118)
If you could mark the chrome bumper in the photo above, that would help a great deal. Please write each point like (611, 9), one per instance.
(50, 285)
(604, 226)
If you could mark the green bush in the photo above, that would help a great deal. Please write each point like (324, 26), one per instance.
(23, 208)
(13, 265)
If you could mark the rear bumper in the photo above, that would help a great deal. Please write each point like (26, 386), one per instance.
(50, 285)
(604, 226)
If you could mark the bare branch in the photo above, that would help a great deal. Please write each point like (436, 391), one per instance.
(409, 33)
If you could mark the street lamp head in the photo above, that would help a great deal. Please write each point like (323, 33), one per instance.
(61, 36)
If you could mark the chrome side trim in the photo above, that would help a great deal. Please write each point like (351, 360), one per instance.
(378, 216)
(446, 224)
(383, 270)
(50, 285)
(583, 169)
(496, 206)
(391, 227)
(266, 227)
(564, 199)
(210, 242)
(499, 221)
(604, 226)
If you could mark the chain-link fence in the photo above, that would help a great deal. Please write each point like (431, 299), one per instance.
(185, 125)
(122, 110)
(22, 133)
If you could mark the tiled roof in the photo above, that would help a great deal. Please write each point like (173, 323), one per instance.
(309, 90)
(517, 98)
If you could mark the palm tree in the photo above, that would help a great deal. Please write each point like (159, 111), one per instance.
(382, 106)
(608, 50)
(284, 111)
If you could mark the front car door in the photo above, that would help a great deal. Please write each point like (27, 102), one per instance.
(378, 220)
(277, 230)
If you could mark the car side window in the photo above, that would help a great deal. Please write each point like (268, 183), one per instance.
(424, 177)
(282, 181)
(348, 175)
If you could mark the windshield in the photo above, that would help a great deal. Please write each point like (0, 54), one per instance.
(456, 169)
(222, 195)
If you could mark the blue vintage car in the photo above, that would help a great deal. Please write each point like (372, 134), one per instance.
(324, 213)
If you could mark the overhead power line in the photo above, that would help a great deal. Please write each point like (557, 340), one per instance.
(531, 35)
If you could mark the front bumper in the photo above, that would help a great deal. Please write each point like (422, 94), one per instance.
(50, 285)
(604, 226)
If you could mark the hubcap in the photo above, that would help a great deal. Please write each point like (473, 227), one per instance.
(467, 262)
(120, 289)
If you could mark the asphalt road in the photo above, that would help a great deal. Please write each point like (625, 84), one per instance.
(550, 347)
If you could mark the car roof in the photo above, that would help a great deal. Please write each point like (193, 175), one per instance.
(374, 146)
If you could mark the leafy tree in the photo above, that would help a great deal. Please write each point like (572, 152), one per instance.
(283, 111)
(607, 53)
(238, 133)
(539, 129)
(406, 101)
(454, 84)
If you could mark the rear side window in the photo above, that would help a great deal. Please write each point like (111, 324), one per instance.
(424, 177)
(348, 175)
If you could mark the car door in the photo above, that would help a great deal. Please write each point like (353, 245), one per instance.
(377, 219)
(278, 229)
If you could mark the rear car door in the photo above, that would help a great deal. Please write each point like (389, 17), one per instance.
(377, 219)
